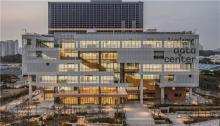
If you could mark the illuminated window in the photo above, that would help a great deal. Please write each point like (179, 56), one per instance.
(151, 76)
(152, 44)
(48, 96)
(132, 67)
(86, 68)
(108, 66)
(131, 44)
(89, 56)
(68, 54)
(90, 90)
(109, 55)
(70, 100)
(108, 90)
(107, 79)
(89, 79)
(68, 67)
(133, 97)
(89, 100)
(176, 44)
(169, 78)
(68, 44)
(109, 100)
(110, 44)
(152, 67)
(67, 79)
(177, 67)
(89, 44)
(48, 79)
(116, 77)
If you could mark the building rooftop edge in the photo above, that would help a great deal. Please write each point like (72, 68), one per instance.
(145, 32)
(96, 1)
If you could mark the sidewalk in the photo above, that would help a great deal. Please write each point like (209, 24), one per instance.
(137, 115)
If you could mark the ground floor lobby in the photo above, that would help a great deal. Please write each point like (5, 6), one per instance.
(170, 94)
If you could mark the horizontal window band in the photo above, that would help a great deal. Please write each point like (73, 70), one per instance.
(98, 29)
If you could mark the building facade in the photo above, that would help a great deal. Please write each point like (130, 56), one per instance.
(9, 47)
(110, 68)
(97, 15)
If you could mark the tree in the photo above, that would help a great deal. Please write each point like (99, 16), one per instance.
(12, 58)
(8, 78)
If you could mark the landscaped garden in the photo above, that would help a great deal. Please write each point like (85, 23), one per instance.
(159, 119)
(199, 119)
(118, 118)
(59, 119)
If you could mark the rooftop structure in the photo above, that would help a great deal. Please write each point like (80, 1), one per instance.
(100, 15)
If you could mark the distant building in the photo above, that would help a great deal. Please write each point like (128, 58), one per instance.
(8, 47)
(210, 67)
(99, 15)
(201, 46)
(215, 58)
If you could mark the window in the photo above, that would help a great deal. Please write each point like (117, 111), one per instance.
(107, 79)
(67, 54)
(28, 41)
(131, 44)
(108, 90)
(89, 79)
(48, 79)
(158, 54)
(89, 44)
(68, 44)
(152, 44)
(110, 44)
(169, 78)
(67, 79)
(44, 44)
(109, 55)
(33, 78)
(68, 67)
(177, 67)
(39, 53)
(152, 67)
(86, 68)
(176, 44)
(151, 76)
(90, 90)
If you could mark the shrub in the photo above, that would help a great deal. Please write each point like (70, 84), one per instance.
(73, 118)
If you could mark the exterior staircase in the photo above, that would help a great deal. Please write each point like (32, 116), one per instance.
(136, 82)
(93, 65)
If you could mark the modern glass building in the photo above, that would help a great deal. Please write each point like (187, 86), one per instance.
(97, 15)
(97, 53)
(109, 68)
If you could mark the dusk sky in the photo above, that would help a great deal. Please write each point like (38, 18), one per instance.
(202, 17)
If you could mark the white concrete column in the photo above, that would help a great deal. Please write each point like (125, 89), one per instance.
(141, 89)
(190, 94)
(162, 95)
(30, 88)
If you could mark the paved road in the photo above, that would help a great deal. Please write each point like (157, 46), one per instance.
(208, 93)
(215, 122)
(137, 115)
(175, 120)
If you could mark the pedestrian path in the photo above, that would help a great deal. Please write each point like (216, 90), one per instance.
(137, 115)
